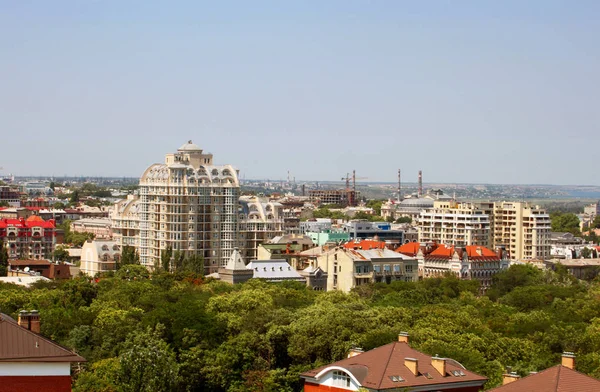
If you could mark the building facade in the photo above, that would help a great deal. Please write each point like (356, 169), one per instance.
(189, 204)
(260, 221)
(126, 222)
(100, 227)
(452, 223)
(29, 239)
(99, 256)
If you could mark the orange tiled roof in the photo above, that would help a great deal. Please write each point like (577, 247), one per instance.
(409, 249)
(473, 252)
(365, 245)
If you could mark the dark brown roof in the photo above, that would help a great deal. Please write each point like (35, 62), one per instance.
(18, 344)
(376, 368)
(555, 379)
(28, 262)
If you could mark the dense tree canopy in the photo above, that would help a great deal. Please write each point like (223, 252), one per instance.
(565, 222)
(178, 332)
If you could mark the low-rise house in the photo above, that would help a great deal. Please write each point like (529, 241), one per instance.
(99, 256)
(43, 268)
(563, 378)
(28, 361)
(349, 268)
(274, 271)
(393, 367)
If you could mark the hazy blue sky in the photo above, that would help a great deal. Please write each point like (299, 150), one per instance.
(467, 91)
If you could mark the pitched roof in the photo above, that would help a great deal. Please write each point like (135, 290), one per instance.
(18, 344)
(409, 249)
(558, 378)
(377, 368)
(475, 251)
(21, 263)
(274, 269)
(235, 261)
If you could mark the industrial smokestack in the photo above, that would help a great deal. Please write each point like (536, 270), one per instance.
(420, 183)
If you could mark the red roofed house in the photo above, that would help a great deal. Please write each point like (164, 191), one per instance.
(559, 378)
(470, 262)
(31, 238)
(365, 244)
(393, 367)
(419, 251)
(28, 361)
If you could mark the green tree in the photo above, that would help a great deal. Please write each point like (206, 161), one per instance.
(60, 253)
(74, 198)
(586, 253)
(596, 222)
(148, 363)
(129, 256)
(404, 219)
(165, 258)
(4, 203)
(3, 260)
(567, 222)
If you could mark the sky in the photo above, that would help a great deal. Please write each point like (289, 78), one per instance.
(467, 91)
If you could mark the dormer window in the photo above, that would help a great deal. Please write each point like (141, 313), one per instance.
(341, 379)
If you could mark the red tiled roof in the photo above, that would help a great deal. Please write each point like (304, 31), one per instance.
(409, 249)
(443, 251)
(474, 250)
(32, 221)
(365, 245)
(18, 344)
(376, 368)
(555, 379)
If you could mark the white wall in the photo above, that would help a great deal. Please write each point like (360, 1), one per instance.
(35, 369)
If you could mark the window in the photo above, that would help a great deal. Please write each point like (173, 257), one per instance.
(396, 267)
(377, 268)
(409, 269)
(341, 379)
(386, 268)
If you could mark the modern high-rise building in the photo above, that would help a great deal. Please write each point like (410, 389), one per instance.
(455, 224)
(187, 204)
(521, 229)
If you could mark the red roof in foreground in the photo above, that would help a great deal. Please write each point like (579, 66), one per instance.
(409, 249)
(365, 245)
(558, 378)
(376, 368)
(18, 344)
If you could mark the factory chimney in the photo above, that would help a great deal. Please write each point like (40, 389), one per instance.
(420, 183)
(399, 187)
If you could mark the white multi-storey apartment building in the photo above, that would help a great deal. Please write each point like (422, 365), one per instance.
(190, 205)
(456, 224)
(126, 222)
(523, 230)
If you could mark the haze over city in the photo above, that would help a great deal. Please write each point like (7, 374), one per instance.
(475, 92)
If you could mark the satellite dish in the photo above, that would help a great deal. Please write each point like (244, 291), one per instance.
(26, 269)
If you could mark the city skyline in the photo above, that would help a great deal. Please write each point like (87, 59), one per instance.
(469, 93)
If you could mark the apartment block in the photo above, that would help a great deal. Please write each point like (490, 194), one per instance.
(455, 224)
(188, 204)
(260, 220)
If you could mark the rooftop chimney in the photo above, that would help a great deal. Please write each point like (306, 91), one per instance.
(30, 320)
(568, 360)
(412, 364)
(507, 378)
(403, 337)
(34, 321)
(23, 319)
(439, 364)
(354, 352)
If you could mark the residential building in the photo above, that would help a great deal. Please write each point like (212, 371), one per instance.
(349, 268)
(317, 225)
(235, 271)
(586, 269)
(454, 223)
(100, 227)
(324, 237)
(563, 378)
(468, 263)
(31, 238)
(99, 256)
(362, 229)
(393, 367)
(126, 222)
(43, 268)
(10, 196)
(523, 229)
(260, 220)
(28, 361)
(189, 204)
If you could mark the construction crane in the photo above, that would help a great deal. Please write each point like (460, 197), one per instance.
(351, 194)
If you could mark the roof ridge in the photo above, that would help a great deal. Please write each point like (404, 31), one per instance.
(387, 364)
(557, 378)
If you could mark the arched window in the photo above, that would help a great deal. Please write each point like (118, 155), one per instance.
(105, 257)
(105, 247)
